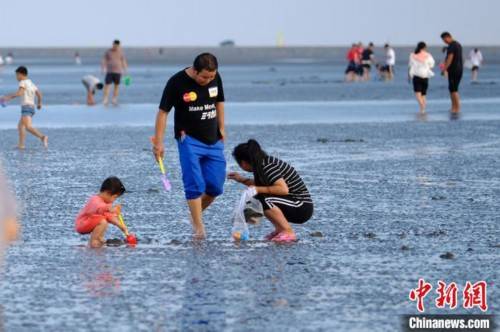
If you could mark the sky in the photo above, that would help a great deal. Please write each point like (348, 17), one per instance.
(94, 23)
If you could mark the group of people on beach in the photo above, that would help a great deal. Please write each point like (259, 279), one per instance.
(113, 65)
(197, 95)
(420, 67)
(361, 60)
(420, 71)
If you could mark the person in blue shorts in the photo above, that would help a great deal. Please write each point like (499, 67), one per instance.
(197, 95)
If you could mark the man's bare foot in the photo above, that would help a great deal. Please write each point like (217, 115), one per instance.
(114, 101)
(105, 102)
(197, 236)
(96, 244)
(21, 147)
(45, 141)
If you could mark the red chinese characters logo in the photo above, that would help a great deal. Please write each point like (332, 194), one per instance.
(418, 294)
(448, 295)
(474, 295)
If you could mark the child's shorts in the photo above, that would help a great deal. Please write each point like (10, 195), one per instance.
(87, 225)
(27, 110)
(203, 167)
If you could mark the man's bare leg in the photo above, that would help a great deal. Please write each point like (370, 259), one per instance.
(455, 102)
(195, 207)
(206, 200)
(116, 90)
(105, 93)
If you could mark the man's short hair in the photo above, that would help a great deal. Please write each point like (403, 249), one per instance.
(22, 70)
(116, 42)
(445, 34)
(386, 46)
(99, 86)
(205, 61)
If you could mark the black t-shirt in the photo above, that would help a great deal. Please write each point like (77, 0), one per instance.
(367, 54)
(195, 111)
(456, 66)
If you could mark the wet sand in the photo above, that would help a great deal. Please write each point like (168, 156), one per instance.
(391, 198)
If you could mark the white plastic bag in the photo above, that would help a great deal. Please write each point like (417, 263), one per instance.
(240, 229)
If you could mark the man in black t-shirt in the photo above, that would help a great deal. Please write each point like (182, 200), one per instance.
(453, 67)
(367, 59)
(197, 95)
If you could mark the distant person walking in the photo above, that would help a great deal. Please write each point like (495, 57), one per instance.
(367, 59)
(91, 84)
(114, 65)
(476, 60)
(78, 59)
(454, 67)
(420, 70)
(28, 92)
(9, 59)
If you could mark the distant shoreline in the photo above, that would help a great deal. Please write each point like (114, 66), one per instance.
(228, 55)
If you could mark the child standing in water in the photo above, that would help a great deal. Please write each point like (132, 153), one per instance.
(27, 91)
(95, 216)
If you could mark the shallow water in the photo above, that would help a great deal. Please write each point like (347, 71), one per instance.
(274, 81)
(377, 186)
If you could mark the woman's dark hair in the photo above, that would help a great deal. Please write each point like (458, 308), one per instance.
(205, 61)
(113, 185)
(252, 153)
(420, 47)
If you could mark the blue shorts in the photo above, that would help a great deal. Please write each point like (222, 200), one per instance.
(203, 167)
(27, 110)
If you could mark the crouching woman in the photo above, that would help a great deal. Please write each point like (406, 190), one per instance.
(277, 185)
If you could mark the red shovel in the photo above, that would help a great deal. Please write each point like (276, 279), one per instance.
(129, 237)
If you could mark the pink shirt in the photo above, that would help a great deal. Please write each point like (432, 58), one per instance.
(95, 206)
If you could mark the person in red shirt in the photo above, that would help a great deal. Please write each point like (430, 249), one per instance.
(353, 58)
(95, 216)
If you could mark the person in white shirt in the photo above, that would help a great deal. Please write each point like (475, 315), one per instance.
(476, 60)
(91, 84)
(386, 71)
(28, 92)
(420, 66)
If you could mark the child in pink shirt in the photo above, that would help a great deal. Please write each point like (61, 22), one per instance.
(93, 219)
